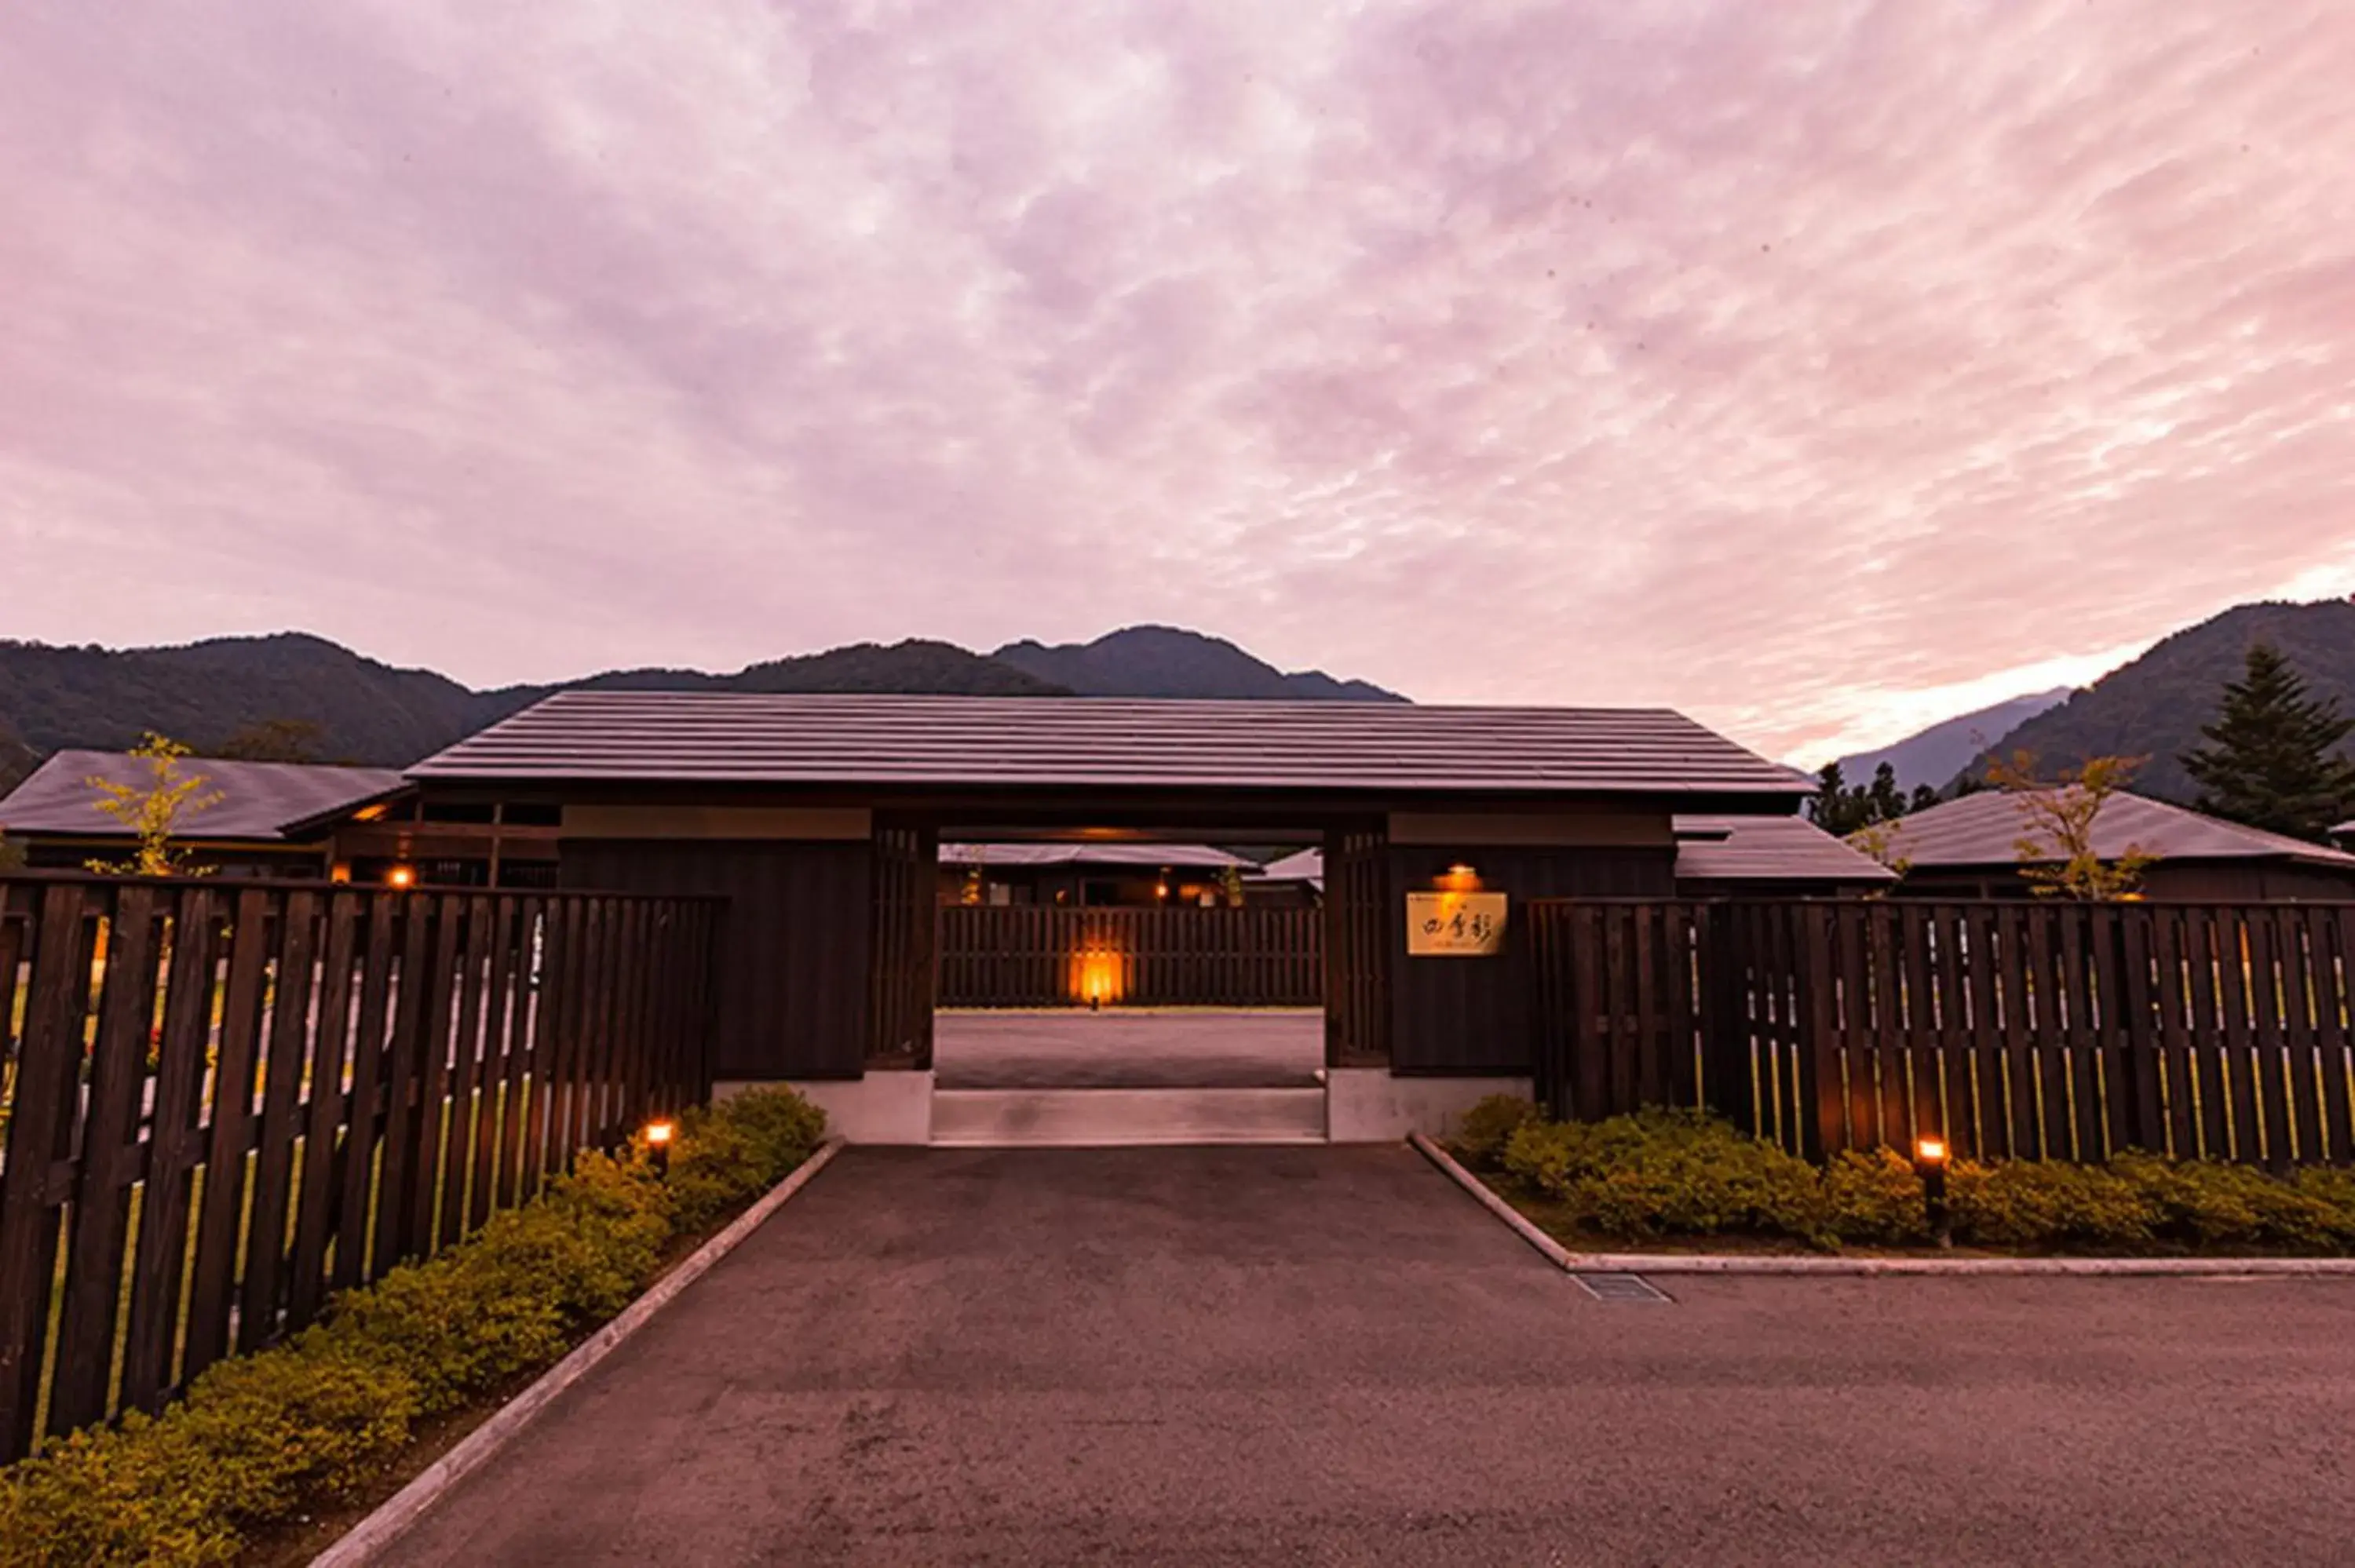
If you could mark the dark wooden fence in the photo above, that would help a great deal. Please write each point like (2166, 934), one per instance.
(1043, 956)
(2012, 1030)
(226, 1100)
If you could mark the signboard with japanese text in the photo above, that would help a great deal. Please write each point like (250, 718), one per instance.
(1455, 924)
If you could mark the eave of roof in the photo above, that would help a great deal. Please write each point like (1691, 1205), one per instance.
(1012, 744)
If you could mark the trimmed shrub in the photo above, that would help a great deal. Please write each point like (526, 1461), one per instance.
(1664, 1172)
(1487, 1127)
(728, 1152)
(1874, 1197)
(1682, 1173)
(2045, 1204)
(262, 1438)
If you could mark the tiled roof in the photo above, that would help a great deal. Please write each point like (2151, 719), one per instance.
(1709, 848)
(1769, 848)
(258, 800)
(1984, 830)
(996, 742)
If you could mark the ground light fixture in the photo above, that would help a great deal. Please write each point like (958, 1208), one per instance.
(658, 1135)
(1930, 1160)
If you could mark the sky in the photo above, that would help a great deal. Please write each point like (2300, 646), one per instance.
(1820, 369)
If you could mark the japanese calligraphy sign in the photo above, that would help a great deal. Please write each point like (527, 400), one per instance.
(1455, 924)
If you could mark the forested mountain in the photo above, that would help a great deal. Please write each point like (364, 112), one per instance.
(1167, 662)
(367, 711)
(2154, 706)
(1935, 755)
(358, 709)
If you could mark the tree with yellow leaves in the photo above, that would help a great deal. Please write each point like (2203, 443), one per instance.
(2056, 852)
(154, 811)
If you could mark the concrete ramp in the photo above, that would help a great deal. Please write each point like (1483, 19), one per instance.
(1105, 1117)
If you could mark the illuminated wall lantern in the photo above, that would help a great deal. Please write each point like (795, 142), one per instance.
(1459, 878)
(401, 877)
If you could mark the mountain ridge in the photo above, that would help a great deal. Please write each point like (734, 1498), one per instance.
(1153, 661)
(365, 710)
(2153, 706)
(1935, 753)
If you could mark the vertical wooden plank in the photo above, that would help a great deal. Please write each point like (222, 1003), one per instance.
(260, 1298)
(1991, 1125)
(173, 1150)
(1892, 1104)
(497, 1083)
(40, 1129)
(2235, 956)
(374, 1094)
(1590, 1001)
(107, 1166)
(2108, 1081)
(324, 1113)
(213, 1283)
(1955, 1042)
(525, 1092)
(472, 956)
(546, 1150)
(2170, 1010)
(1683, 927)
(428, 1177)
(2302, 990)
(2269, 1034)
(404, 1148)
(2328, 931)
(2139, 1035)
(2020, 1068)
(1822, 1100)
(2206, 939)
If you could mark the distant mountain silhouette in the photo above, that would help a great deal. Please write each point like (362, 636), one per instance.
(2154, 706)
(1168, 662)
(368, 712)
(1934, 755)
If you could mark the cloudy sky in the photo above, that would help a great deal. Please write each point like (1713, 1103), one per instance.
(1819, 368)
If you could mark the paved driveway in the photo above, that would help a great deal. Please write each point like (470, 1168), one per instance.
(1282, 1356)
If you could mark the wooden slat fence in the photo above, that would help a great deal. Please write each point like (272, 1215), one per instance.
(226, 1100)
(2010, 1030)
(1046, 956)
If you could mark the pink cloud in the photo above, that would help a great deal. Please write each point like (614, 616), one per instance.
(1772, 361)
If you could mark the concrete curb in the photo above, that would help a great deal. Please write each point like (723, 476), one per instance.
(368, 1541)
(1735, 1263)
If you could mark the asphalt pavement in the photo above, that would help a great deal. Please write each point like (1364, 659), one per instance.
(1269, 1356)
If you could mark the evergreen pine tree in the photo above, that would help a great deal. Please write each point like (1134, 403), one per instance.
(1885, 802)
(2273, 759)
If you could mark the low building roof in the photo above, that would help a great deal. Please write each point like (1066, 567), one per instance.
(1099, 853)
(1302, 865)
(1769, 848)
(1985, 829)
(259, 801)
(1709, 848)
(992, 743)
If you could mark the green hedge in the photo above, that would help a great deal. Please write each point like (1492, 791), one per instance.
(1671, 1173)
(264, 1438)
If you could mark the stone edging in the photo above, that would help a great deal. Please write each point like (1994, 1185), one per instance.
(368, 1541)
(1736, 1263)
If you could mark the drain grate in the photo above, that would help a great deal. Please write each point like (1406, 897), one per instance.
(1621, 1287)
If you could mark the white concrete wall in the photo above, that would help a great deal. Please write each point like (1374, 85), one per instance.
(1368, 1105)
(881, 1107)
(1362, 1104)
